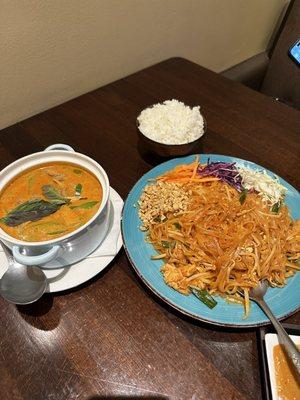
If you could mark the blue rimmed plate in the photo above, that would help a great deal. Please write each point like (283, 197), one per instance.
(283, 302)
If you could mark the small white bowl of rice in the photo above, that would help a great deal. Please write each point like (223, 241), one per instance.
(172, 128)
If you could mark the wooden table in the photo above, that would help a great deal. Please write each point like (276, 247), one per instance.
(111, 337)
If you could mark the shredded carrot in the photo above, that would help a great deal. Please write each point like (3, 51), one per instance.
(195, 168)
(185, 173)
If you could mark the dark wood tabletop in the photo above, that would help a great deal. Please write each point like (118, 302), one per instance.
(112, 338)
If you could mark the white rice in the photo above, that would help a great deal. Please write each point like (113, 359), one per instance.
(171, 122)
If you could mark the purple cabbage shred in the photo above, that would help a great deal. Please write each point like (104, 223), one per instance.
(226, 172)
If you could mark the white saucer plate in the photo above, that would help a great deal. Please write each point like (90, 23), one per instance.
(69, 277)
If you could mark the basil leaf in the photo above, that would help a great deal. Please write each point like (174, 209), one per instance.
(52, 194)
(31, 210)
(85, 206)
(243, 196)
(204, 296)
(78, 189)
(276, 207)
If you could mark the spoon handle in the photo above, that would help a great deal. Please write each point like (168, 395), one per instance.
(8, 253)
(283, 338)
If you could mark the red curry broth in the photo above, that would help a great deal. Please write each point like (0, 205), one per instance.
(79, 187)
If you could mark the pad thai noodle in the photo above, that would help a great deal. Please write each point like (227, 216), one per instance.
(219, 230)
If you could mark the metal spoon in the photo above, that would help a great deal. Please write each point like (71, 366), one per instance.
(257, 294)
(21, 284)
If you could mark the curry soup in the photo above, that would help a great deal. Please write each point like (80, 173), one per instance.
(49, 201)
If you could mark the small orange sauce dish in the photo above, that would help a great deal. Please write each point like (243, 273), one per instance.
(285, 384)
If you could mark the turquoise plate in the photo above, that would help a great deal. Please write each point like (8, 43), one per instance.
(283, 302)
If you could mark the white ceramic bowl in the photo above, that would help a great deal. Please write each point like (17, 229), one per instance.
(75, 246)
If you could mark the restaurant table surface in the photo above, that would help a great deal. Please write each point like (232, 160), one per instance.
(111, 337)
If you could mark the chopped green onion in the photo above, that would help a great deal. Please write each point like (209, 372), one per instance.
(160, 218)
(243, 196)
(276, 207)
(177, 225)
(168, 245)
(204, 296)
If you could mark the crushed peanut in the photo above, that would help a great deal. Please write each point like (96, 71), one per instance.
(159, 199)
